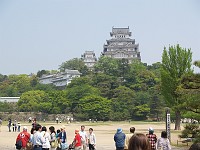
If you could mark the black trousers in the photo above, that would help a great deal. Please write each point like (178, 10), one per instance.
(91, 147)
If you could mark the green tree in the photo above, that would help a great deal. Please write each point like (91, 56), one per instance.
(95, 107)
(74, 64)
(31, 101)
(176, 62)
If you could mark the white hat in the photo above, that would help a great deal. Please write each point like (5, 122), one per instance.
(25, 128)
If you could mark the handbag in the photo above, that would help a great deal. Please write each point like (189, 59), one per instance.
(63, 146)
(29, 146)
(54, 144)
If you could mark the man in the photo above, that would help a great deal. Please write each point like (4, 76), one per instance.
(119, 139)
(24, 136)
(77, 140)
(128, 136)
(152, 138)
(83, 135)
(38, 139)
(9, 124)
(91, 140)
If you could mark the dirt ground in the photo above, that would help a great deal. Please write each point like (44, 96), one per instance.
(104, 132)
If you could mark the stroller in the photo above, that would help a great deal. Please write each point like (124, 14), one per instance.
(71, 146)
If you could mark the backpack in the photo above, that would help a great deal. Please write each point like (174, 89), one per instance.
(18, 144)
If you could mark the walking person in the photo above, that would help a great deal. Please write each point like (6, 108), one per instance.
(9, 124)
(119, 139)
(83, 135)
(91, 140)
(47, 138)
(38, 139)
(128, 136)
(139, 142)
(152, 138)
(24, 138)
(77, 141)
(0, 124)
(163, 142)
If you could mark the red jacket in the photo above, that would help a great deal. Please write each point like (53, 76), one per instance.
(24, 136)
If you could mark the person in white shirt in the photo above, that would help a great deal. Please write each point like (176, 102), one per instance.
(91, 140)
(38, 139)
(47, 138)
(163, 142)
(83, 135)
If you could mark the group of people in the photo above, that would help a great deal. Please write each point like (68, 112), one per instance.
(16, 126)
(139, 141)
(41, 139)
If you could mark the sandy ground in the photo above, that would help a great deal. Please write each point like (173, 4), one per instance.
(104, 132)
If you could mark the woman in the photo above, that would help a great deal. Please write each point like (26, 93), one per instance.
(47, 138)
(53, 141)
(139, 142)
(163, 142)
(62, 138)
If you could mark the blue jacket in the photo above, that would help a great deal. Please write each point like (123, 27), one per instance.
(119, 139)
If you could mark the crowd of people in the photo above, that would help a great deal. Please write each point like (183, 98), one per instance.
(42, 139)
(139, 141)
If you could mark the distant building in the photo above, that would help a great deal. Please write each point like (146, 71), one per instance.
(121, 45)
(60, 79)
(89, 59)
(9, 99)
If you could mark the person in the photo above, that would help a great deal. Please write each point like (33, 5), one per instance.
(77, 141)
(15, 124)
(163, 142)
(9, 124)
(38, 139)
(91, 139)
(18, 126)
(34, 123)
(83, 135)
(128, 136)
(57, 120)
(139, 142)
(57, 133)
(119, 139)
(62, 138)
(0, 124)
(53, 141)
(152, 138)
(47, 138)
(24, 136)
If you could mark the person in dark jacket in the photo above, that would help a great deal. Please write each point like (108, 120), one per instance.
(119, 139)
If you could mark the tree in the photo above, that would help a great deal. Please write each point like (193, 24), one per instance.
(176, 62)
(74, 64)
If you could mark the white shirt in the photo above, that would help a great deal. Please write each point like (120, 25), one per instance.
(47, 138)
(83, 135)
(38, 138)
(92, 139)
(164, 143)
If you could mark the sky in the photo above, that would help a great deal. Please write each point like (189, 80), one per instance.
(41, 34)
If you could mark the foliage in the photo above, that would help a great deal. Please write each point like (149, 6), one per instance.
(176, 62)
(74, 64)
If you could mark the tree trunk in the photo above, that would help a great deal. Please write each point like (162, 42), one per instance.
(178, 120)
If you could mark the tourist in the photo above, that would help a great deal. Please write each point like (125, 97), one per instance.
(18, 126)
(62, 138)
(83, 135)
(119, 139)
(163, 142)
(47, 138)
(77, 141)
(9, 124)
(57, 120)
(91, 140)
(24, 138)
(152, 138)
(15, 124)
(38, 140)
(128, 136)
(139, 142)
(0, 124)
(57, 133)
(53, 141)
